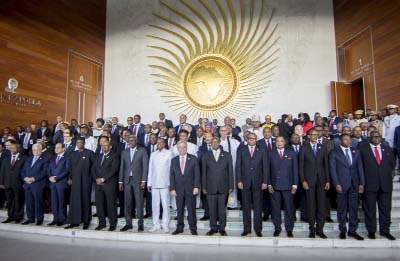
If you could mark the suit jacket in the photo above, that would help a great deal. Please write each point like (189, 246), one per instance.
(314, 170)
(184, 184)
(139, 166)
(344, 175)
(141, 139)
(168, 123)
(140, 129)
(217, 176)
(11, 176)
(396, 142)
(47, 133)
(70, 148)
(115, 135)
(61, 170)
(38, 171)
(283, 173)
(378, 176)
(252, 172)
(108, 170)
(263, 144)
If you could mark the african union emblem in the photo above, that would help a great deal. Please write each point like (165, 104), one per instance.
(215, 63)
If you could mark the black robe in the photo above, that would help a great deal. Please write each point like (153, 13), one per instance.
(81, 189)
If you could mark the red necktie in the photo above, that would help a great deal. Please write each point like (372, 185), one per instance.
(13, 161)
(251, 151)
(269, 145)
(280, 154)
(377, 156)
(134, 129)
(331, 123)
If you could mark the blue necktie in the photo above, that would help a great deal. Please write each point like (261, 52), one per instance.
(315, 150)
(348, 157)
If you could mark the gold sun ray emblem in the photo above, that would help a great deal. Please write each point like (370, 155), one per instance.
(215, 63)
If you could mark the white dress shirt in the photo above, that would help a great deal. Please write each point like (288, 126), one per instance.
(91, 143)
(379, 149)
(159, 168)
(349, 152)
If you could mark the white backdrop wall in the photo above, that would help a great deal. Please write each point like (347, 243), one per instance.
(306, 64)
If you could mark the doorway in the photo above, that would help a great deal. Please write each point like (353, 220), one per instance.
(348, 97)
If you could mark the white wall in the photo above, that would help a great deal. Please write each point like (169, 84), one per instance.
(306, 65)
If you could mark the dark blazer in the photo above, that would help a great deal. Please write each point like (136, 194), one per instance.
(263, 144)
(396, 142)
(47, 133)
(168, 123)
(70, 148)
(252, 172)
(184, 184)
(344, 175)
(378, 176)
(217, 176)
(141, 139)
(61, 170)
(108, 170)
(37, 171)
(11, 176)
(283, 173)
(313, 169)
(140, 131)
(139, 166)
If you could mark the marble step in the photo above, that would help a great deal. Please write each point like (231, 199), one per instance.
(300, 239)
(233, 224)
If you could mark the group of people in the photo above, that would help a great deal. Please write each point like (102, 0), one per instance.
(143, 170)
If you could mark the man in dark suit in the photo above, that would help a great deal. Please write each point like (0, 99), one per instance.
(144, 138)
(58, 172)
(182, 122)
(10, 173)
(172, 139)
(185, 183)
(138, 127)
(105, 172)
(132, 180)
(379, 163)
(283, 180)
(168, 123)
(396, 142)
(28, 140)
(43, 131)
(333, 122)
(69, 142)
(314, 177)
(114, 131)
(252, 176)
(347, 176)
(34, 174)
(56, 126)
(267, 144)
(217, 183)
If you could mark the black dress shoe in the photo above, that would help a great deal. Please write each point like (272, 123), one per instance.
(265, 218)
(194, 233)
(211, 232)
(311, 235)
(133, 216)
(277, 233)
(52, 223)
(18, 220)
(94, 215)
(100, 227)
(85, 226)
(355, 236)
(39, 223)
(112, 228)
(258, 234)
(140, 228)
(371, 236)
(8, 220)
(60, 224)
(388, 236)
(304, 220)
(70, 226)
(177, 232)
(289, 234)
(147, 216)
(342, 235)
(205, 218)
(322, 235)
(245, 234)
(126, 228)
(223, 233)
(121, 215)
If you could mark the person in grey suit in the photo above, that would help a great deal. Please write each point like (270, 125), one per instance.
(132, 177)
(217, 183)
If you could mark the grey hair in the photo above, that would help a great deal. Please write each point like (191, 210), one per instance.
(37, 145)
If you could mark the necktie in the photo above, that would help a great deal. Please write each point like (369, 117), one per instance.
(57, 160)
(315, 149)
(152, 148)
(269, 144)
(251, 151)
(113, 129)
(209, 147)
(280, 154)
(102, 160)
(134, 129)
(26, 140)
(170, 143)
(377, 156)
(132, 153)
(296, 148)
(331, 123)
(348, 157)
(13, 161)
(229, 145)
(34, 161)
(182, 165)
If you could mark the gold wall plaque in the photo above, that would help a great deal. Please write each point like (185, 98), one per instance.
(222, 69)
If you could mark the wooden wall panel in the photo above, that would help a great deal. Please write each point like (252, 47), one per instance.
(383, 20)
(36, 37)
